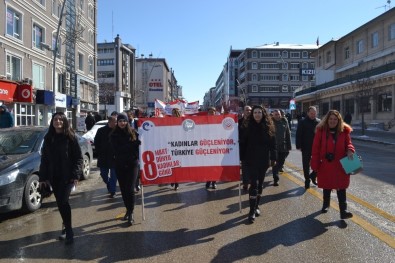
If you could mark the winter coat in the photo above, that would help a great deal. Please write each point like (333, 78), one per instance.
(104, 151)
(242, 127)
(283, 135)
(305, 134)
(126, 151)
(61, 160)
(6, 119)
(258, 147)
(330, 174)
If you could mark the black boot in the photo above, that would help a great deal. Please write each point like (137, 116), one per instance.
(257, 211)
(251, 214)
(130, 218)
(69, 236)
(327, 200)
(341, 196)
(313, 177)
(126, 216)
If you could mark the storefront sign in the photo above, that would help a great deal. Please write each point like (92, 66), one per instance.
(7, 90)
(24, 93)
(60, 100)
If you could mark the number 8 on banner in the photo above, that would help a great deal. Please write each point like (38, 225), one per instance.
(150, 171)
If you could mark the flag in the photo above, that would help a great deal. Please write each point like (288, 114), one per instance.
(318, 41)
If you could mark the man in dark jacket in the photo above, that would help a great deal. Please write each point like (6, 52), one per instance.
(89, 121)
(6, 119)
(105, 155)
(242, 126)
(304, 140)
(283, 143)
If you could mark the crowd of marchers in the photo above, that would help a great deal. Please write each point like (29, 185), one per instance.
(264, 142)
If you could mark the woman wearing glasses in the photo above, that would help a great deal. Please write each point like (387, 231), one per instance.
(125, 143)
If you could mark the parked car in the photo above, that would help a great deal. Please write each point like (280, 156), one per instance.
(20, 157)
(90, 135)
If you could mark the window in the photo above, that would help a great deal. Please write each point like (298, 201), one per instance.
(254, 88)
(91, 12)
(24, 115)
(41, 2)
(105, 62)
(38, 76)
(295, 54)
(253, 77)
(90, 61)
(375, 39)
(270, 54)
(285, 65)
(268, 66)
(80, 61)
(268, 77)
(305, 65)
(91, 38)
(349, 106)
(285, 77)
(384, 102)
(56, 8)
(328, 57)
(14, 67)
(82, 4)
(360, 46)
(14, 23)
(38, 36)
(254, 65)
(305, 78)
(305, 54)
(105, 74)
(284, 88)
(254, 54)
(294, 77)
(294, 65)
(285, 54)
(347, 53)
(391, 32)
(319, 61)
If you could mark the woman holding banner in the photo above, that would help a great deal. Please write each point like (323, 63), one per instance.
(125, 143)
(258, 146)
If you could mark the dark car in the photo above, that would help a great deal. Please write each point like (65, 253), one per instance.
(20, 157)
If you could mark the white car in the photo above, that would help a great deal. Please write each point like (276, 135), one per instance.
(90, 135)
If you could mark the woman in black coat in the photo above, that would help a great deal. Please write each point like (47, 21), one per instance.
(61, 167)
(125, 144)
(258, 147)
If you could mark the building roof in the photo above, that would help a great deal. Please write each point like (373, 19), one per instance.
(277, 45)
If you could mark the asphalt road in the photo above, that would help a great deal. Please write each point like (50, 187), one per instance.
(198, 225)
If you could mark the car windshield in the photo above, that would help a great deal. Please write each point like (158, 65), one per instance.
(18, 142)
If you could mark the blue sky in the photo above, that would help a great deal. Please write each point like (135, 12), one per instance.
(195, 37)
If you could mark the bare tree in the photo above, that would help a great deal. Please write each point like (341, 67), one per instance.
(106, 94)
(363, 90)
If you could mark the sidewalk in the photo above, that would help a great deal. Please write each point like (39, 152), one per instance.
(377, 136)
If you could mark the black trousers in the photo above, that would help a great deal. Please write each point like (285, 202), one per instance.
(127, 180)
(306, 157)
(62, 194)
(257, 176)
(281, 156)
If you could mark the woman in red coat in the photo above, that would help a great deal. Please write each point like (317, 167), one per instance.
(332, 142)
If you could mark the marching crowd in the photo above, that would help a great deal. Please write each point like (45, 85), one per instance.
(264, 142)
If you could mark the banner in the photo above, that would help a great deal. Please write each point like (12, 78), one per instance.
(163, 109)
(189, 149)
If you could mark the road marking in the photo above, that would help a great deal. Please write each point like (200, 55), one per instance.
(386, 238)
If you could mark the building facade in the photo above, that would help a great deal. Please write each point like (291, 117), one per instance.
(356, 74)
(154, 80)
(116, 67)
(59, 64)
(269, 74)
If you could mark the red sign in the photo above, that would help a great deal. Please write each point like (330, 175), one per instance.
(24, 93)
(7, 90)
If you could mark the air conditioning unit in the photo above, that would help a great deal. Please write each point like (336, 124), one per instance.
(67, 75)
(67, 83)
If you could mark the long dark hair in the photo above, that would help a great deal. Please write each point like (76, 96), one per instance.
(127, 130)
(266, 123)
(67, 130)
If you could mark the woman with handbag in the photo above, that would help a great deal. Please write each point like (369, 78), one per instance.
(332, 142)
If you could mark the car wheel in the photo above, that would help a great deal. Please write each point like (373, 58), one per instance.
(86, 167)
(31, 197)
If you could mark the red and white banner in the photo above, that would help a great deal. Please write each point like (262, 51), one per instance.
(163, 109)
(189, 149)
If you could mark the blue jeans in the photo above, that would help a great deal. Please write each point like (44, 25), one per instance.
(111, 181)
